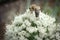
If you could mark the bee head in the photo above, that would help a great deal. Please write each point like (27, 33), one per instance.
(34, 7)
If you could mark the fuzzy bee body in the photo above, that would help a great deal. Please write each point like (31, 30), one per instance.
(36, 9)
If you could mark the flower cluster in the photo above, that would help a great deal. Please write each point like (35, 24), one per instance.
(28, 27)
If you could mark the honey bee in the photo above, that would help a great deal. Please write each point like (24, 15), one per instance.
(35, 8)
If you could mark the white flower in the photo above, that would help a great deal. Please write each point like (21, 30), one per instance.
(37, 37)
(26, 22)
(24, 33)
(31, 29)
(18, 20)
(42, 29)
(15, 31)
(58, 35)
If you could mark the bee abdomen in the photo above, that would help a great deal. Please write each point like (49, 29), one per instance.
(37, 13)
